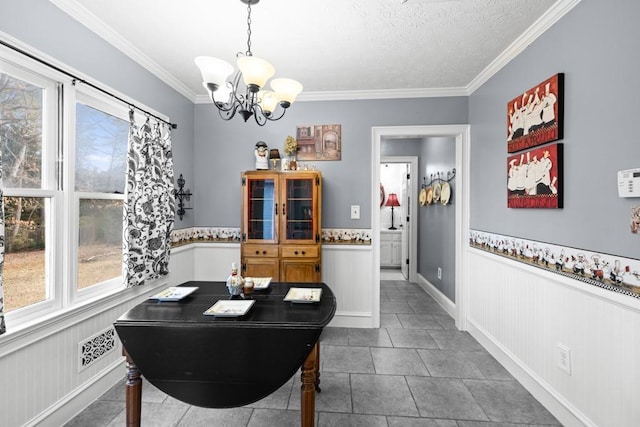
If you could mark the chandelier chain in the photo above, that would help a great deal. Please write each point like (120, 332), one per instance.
(249, 28)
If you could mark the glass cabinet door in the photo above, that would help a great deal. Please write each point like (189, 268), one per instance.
(299, 223)
(260, 220)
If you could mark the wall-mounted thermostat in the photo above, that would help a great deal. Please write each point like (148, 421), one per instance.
(629, 183)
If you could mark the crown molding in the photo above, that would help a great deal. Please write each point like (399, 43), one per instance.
(382, 94)
(356, 95)
(92, 22)
(542, 24)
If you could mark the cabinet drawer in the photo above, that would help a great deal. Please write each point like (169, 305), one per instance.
(299, 252)
(259, 251)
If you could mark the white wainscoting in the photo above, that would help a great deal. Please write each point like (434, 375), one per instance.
(348, 270)
(212, 261)
(41, 382)
(521, 314)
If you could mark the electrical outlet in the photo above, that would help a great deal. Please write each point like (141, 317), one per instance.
(355, 211)
(564, 358)
(439, 273)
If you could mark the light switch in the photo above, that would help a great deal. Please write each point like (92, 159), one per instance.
(355, 211)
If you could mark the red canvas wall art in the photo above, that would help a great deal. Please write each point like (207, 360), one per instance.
(534, 178)
(536, 117)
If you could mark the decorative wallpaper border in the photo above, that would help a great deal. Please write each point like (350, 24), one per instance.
(340, 236)
(185, 236)
(346, 236)
(611, 272)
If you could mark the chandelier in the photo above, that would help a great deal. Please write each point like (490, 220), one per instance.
(252, 99)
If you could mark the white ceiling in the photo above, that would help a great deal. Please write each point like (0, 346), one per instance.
(338, 49)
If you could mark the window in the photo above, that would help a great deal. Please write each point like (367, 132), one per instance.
(64, 156)
(100, 172)
(28, 143)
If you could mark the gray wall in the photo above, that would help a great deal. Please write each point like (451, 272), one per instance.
(596, 46)
(41, 25)
(438, 222)
(224, 149)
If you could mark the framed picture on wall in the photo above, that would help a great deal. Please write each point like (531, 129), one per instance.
(536, 117)
(319, 142)
(534, 178)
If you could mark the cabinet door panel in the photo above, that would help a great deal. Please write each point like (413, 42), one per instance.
(301, 271)
(261, 267)
(260, 212)
(300, 217)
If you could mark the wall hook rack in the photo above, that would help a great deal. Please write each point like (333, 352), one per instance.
(182, 195)
(439, 177)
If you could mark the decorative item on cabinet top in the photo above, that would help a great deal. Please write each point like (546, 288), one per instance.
(337, 236)
(437, 189)
(610, 272)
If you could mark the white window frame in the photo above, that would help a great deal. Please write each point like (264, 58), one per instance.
(93, 98)
(58, 188)
(42, 77)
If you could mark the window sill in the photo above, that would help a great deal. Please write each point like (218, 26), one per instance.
(29, 332)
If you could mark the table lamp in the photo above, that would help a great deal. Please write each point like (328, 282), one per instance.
(392, 201)
(274, 155)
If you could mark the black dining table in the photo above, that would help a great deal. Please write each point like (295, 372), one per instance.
(220, 361)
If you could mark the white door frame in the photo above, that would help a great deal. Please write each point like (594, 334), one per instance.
(411, 236)
(461, 133)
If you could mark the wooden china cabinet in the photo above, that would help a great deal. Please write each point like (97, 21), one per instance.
(281, 229)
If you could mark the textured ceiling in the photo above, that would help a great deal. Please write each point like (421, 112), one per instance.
(330, 46)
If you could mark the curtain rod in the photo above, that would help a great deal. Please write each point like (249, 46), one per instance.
(78, 79)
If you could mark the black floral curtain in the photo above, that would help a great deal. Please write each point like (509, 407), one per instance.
(149, 208)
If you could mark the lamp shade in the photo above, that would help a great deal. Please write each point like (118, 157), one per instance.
(214, 70)
(274, 154)
(392, 200)
(255, 71)
(286, 89)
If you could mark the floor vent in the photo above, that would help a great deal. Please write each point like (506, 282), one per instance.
(95, 347)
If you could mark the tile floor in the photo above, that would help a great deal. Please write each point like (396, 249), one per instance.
(416, 370)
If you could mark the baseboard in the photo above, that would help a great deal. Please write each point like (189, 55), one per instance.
(559, 407)
(75, 402)
(344, 319)
(435, 293)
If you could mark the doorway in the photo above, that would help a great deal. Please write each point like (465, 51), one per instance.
(461, 138)
(398, 238)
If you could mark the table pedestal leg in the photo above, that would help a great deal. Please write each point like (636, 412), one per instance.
(308, 389)
(133, 400)
(317, 367)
